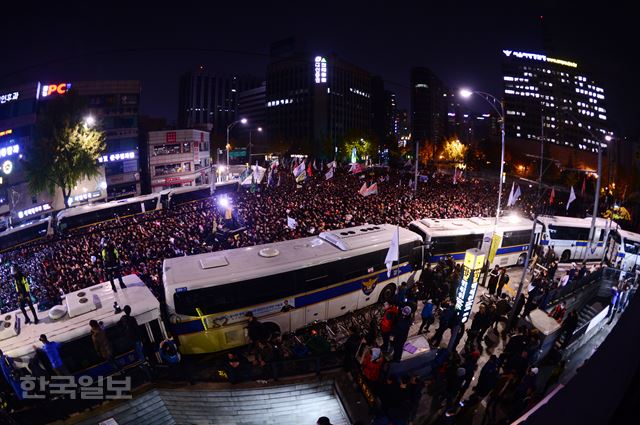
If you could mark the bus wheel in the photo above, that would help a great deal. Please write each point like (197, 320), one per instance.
(270, 328)
(521, 259)
(387, 293)
(566, 256)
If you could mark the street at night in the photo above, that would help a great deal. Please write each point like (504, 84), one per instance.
(362, 214)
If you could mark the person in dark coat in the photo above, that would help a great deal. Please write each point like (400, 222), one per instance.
(488, 378)
(494, 277)
(102, 345)
(401, 332)
(568, 327)
(255, 329)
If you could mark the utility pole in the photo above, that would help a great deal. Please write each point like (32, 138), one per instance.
(415, 176)
(541, 150)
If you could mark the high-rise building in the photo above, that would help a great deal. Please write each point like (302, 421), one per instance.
(553, 100)
(383, 113)
(315, 101)
(210, 101)
(113, 104)
(252, 106)
(428, 106)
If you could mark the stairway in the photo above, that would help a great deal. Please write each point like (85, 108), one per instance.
(587, 313)
(294, 404)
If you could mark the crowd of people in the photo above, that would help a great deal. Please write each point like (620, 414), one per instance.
(73, 260)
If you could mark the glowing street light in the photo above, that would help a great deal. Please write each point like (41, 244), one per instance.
(466, 93)
(89, 121)
(229, 127)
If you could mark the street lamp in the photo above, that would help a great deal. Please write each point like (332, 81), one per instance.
(229, 127)
(259, 131)
(89, 121)
(596, 199)
(493, 101)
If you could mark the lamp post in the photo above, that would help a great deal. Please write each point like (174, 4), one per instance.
(596, 197)
(229, 127)
(259, 131)
(493, 101)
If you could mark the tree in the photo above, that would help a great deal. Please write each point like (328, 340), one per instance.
(363, 147)
(64, 149)
(454, 151)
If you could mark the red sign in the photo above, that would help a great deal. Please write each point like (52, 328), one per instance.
(171, 137)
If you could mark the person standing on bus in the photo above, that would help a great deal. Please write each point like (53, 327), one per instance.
(111, 262)
(52, 350)
(130, 326)
(494, 276)
(24, 294)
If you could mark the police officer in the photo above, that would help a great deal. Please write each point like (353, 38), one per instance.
(111, 262)
(24, 294)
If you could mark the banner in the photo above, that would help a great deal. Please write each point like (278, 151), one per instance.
(496, 240)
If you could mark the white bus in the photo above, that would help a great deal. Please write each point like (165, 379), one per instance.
(569, 237)
(181, 195)
(321, 277)
(454, 236)
(24, 233)
(625, 249)
(69, 325)
(86, 215)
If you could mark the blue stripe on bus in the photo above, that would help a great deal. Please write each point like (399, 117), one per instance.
(512, 249)
(544, 242)
(460, 255)
(621, 254)
(194, 326)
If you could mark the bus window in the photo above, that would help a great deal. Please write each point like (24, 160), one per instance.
(520, 237)
(602, 232)
(455, 244)
(568, 233)
(631, 247)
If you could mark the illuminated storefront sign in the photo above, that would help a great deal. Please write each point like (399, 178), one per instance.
(535, 56)
(320, 69)
(466, 293)
(7, 167)
(6, 151)
(34, 210)
(84, 197)
(121, 156)
(49, 89)
(6, 132)
(4, 98)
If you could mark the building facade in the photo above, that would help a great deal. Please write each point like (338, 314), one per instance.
(178, 158)
(428, 106)
(114, 105)
(314, 102)
(384, 114)
(554, 101)
(252, 106)
(210, 101)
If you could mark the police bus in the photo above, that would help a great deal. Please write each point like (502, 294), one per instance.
(181, 195)
(68, 324)
(322, 277)
(24, 233)
(625, 249)
(454, 236)
(569, 237)
(85, 215)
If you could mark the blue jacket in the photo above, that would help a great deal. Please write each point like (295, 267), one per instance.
(427, 311)
(53, 353)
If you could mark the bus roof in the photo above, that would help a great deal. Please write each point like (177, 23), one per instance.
(89, 208)
(184, 189)
(473, 225)
(629, 235)
(25, 226)
(144, 306)
(575, 222)
(236, 265)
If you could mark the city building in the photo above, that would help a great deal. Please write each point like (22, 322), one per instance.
(315, 101)
(178, 158)
(383, 113)
(403, 127)
(210, 101)
(252, 106)
(428, 107)
(113, 104)
(555, 101)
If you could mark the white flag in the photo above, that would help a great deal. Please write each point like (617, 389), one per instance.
(291, 223)
(572, 197)
(516, 195)
(332, 164)
(299, 170)
(363, 189)
(510, 201)
(394, 249)
(329, 174)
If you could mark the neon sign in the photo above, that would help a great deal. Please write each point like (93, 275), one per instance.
(466, 292)
(7, 167)
(49, 89)
(320, 70)
(9, 150)
(117, 157)
(535, 56)
(34, 210)
(6, 132)
(84, 197)
(9, 97)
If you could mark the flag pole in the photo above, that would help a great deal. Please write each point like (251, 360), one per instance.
(398, 270)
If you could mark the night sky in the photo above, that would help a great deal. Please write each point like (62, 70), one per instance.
(461, 44)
